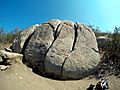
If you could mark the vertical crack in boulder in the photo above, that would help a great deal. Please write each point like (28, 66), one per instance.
(51, 26)
(26, 43)
(24, 47)
(55, 34)
(62, 66)
(75, 36)
(73, 46)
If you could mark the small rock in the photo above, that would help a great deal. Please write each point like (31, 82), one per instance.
(9, 57)
(20, 77)
(7, 77)
(118, 76)
(16, 73)
(3, 67)
(103, 40)
(7, 49)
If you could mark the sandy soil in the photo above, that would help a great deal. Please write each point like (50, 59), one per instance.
(20, 77)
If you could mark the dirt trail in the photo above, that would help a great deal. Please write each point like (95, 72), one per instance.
(20, 77)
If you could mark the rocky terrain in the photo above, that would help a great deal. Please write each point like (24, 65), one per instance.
(60, 54)
(20, 77)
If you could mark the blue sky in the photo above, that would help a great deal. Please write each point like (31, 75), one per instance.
(24, 13)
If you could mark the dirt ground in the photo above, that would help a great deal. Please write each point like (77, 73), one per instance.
(20, 77)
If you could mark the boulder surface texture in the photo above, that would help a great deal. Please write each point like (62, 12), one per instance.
(19, 42)
(62, 48)
(9, 57)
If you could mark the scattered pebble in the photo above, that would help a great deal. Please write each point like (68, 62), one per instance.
(20, 77)
(3, 67)
(7, 77)
(16, 73)
(1, 59)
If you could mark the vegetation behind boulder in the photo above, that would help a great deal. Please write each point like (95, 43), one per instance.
(110, 54)
(7, 37)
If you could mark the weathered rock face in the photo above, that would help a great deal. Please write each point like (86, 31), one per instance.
(19, 41)
(63, 48)
(9, 57)
(103, 41)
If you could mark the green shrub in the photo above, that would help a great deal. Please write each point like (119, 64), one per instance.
(8, 37)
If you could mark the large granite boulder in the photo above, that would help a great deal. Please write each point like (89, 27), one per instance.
(19, 42)
(63, 48)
